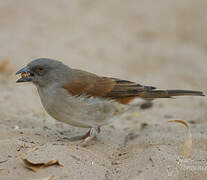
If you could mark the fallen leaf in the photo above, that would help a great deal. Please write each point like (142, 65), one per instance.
(1, 169)
(32, 166)
(187, 148)
(52, 178)
(6, 66)
(53, 162)
(36, 166)
(47, 178)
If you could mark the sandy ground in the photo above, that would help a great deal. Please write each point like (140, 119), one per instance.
(160, 43)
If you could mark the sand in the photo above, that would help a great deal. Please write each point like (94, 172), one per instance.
(160, 43)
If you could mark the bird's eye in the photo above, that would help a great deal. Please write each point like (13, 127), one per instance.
(40, 69)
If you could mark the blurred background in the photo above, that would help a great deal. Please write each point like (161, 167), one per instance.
(160, 43)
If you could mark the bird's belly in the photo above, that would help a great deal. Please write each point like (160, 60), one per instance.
(80, 111)
(65, 113)
(66, 118)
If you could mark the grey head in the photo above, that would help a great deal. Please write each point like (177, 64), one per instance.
(44, 71)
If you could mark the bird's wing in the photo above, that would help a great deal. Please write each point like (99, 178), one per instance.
(84, 83)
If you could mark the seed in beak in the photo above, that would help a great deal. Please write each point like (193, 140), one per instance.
(25, 75)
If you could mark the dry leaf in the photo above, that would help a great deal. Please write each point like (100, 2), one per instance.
(47, 178)
(1, 169)
(32, 166)
(52, 178)
(53, 162)
(6, 66)
(188, 142)
(36, 166)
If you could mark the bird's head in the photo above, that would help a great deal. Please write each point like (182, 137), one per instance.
(43, 72)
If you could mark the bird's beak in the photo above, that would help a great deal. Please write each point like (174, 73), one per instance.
(26, 75)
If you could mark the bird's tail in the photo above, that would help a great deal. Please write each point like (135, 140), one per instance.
(169, 93)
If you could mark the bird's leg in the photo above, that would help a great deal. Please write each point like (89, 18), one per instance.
(92, 134)
(81, 137)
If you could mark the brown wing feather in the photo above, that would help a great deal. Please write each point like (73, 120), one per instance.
(123, 88)
(92, 85)
(89, 84)
(126, 91)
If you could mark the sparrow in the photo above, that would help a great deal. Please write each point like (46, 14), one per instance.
(84, 99)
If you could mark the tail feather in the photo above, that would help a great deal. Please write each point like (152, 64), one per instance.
(169, 93)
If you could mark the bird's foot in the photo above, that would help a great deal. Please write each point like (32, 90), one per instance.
(75, 138)
(93, 132)
(81, 137)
